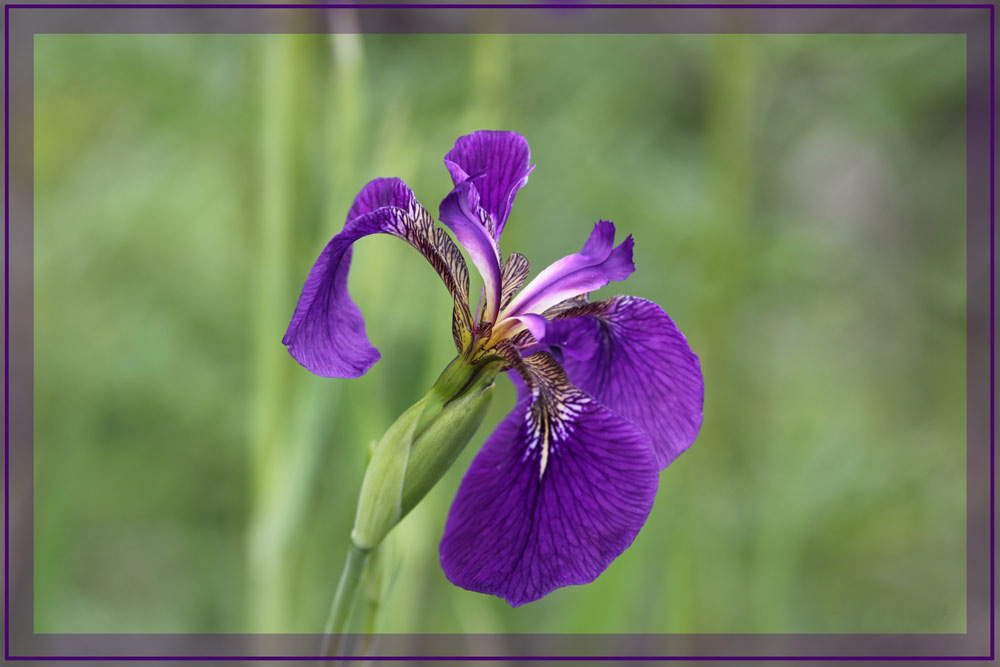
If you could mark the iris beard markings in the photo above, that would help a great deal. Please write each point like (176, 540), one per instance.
(554, 405)
(549, 424)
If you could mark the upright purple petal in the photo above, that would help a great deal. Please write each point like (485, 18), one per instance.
(629, 355)
(498, 162)
(462, 214)
(327, 332)
(597, 264)
(559, 490)
(515, 272)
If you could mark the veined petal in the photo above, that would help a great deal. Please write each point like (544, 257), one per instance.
(327, 331)
(629, 355)
(597, 264)
(579, 300)
(463, 215)
(515, 272)
(559, 490)
(502, 158)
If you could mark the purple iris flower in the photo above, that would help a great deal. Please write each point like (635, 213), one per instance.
(609, 392)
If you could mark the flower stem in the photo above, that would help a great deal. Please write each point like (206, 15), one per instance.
(266, 531)
(343, 599)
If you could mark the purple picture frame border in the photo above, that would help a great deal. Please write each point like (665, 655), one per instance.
(492, 7)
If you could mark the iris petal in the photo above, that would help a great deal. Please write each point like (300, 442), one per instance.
(502, 158)
(597, 264)
(518, 529)
(327, 332)
(463, 215)
(515, 272)
(629, 355)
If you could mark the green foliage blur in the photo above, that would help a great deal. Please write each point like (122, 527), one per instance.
(798, 207)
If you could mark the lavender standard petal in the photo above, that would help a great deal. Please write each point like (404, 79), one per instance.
(327, 332)
(518, 529)
(502, 158)
(597, 264)
(462, 214)
(629, 355)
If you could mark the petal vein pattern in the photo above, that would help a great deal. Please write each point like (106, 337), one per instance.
(569, 304)
(498, 164)
(629, 355)
(515, 272)
(522, 526)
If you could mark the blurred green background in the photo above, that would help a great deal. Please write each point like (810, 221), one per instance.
(798, 208)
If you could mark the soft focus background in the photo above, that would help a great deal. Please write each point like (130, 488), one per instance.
(798, 208)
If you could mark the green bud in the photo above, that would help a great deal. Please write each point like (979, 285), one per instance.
(420, 446)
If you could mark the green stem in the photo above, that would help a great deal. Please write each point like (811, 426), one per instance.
(269, 602)
(373, 587)
(343, 599)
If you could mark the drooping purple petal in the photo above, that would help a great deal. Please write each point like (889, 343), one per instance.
(463, 215)
(559, 490)
(327, 332)
(381, 192)
(629, 355)
(498, 162)
(597, 264)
